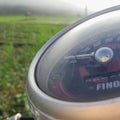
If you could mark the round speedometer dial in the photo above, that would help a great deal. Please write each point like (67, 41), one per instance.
(84, 63)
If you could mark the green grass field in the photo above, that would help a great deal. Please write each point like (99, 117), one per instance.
(20, 39)
(39, 19)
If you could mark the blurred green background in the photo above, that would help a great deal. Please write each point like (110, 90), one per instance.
(20, 39)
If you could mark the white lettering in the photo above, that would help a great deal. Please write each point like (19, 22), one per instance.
(107, 85)
(103, 86)
(98, 87)
(116, 84)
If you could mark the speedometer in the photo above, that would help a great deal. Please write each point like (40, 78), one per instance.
(84, 63)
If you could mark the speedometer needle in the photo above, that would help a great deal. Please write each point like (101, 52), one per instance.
(80, 56)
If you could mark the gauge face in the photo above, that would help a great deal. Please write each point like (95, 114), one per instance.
(85, 78)
(83, 64)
